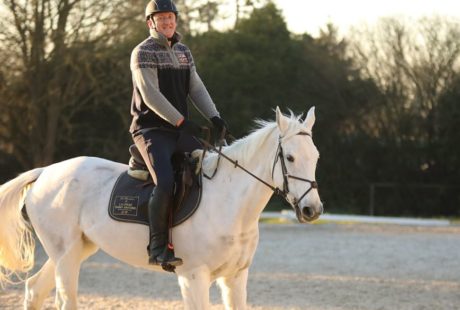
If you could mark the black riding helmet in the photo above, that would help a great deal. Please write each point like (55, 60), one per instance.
(158, 6)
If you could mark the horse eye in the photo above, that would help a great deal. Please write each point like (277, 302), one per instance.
(290, 158)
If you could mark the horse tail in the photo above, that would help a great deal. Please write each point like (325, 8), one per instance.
(17, 244)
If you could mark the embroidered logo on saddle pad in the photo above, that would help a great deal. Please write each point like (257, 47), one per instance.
(130, 196)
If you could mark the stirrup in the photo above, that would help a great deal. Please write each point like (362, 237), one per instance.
(166, 258)
(159, 261)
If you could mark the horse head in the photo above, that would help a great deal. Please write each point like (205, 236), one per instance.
(294, 166)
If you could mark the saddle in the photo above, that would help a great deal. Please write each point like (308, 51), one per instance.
(131, 192)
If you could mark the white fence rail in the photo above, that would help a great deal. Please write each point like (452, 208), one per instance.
(290, 215)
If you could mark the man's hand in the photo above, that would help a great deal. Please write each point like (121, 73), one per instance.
(220, 125)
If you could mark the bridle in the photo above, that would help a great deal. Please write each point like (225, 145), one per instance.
(286, 176)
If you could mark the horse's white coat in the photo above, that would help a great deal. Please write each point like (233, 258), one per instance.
(67, 206)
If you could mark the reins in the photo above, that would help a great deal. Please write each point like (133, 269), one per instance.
(280, 156)
(235, 163)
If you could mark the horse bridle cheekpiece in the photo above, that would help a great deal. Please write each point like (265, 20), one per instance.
(286, 176)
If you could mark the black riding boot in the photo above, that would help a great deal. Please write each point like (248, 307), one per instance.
(158, 210)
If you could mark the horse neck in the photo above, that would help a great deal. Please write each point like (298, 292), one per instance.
(246, 195)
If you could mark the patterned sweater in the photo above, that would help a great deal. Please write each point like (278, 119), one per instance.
(164, 78)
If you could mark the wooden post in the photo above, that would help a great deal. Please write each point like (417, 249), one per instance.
(371, 198)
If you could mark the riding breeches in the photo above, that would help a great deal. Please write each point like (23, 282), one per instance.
(157, 148)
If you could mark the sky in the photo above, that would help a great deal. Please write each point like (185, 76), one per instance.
(309, 16)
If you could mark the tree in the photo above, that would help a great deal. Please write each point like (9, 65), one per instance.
(415, 66)
(412, 66)
(196, 16)
(48, 47)
(448, 146)
(242, 68)
(243, 10)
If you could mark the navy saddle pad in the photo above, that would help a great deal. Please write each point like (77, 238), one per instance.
(130, 196)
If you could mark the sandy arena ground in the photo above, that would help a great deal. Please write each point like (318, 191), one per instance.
(318, 267)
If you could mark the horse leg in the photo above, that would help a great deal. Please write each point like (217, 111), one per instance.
(68, 270)
(194, 286)
(233, 290)
(39, 286)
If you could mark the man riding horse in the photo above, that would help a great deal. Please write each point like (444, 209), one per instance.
(164, 78)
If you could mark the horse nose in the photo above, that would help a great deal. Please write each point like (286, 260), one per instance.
(310, 211)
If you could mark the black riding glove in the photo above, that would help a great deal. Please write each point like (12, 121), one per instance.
(190, 128)
(220, 126)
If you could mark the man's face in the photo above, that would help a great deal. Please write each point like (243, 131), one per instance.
(165, 23)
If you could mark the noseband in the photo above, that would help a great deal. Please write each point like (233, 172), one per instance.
(286, 176)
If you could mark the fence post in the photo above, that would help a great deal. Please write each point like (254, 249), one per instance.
(371, 198)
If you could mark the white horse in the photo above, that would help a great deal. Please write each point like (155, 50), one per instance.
(67, 208)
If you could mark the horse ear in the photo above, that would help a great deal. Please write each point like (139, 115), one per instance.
(310, 119)
(281, 120)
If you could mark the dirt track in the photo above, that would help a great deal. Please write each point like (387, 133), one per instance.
(319, 267)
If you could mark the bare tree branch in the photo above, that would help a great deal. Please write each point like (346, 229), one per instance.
(413, 63)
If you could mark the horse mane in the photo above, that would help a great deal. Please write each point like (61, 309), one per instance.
(245, 148)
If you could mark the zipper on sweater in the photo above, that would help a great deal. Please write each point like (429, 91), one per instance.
(173, 57)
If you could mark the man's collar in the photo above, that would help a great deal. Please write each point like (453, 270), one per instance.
(161, 38)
